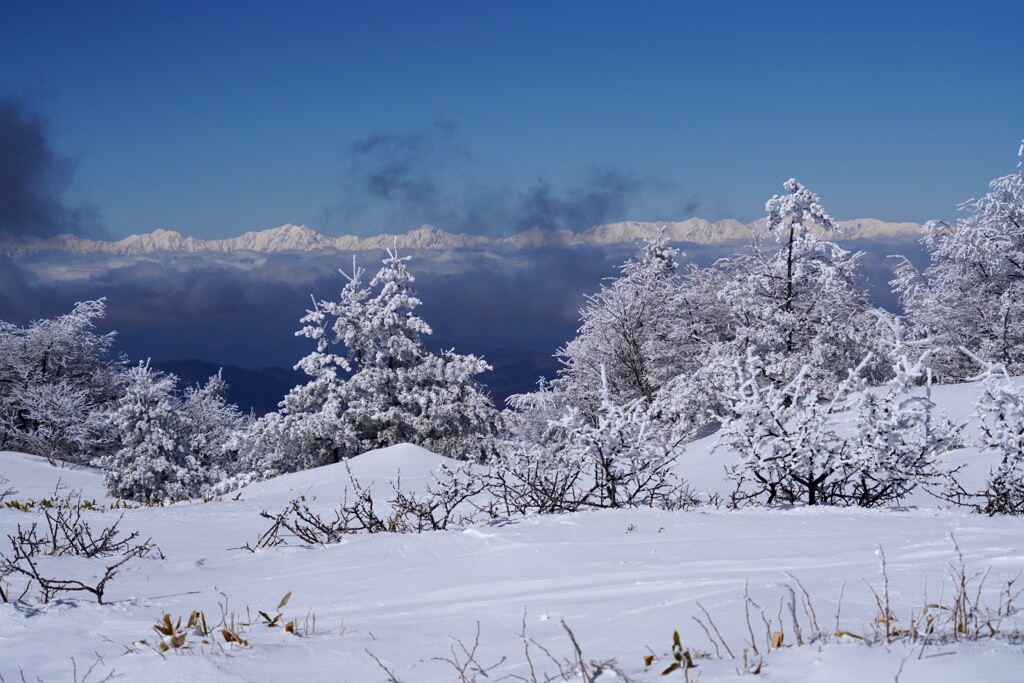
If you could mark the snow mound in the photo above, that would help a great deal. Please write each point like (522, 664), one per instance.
(373, 470)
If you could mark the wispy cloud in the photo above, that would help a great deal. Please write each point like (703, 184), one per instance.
(393, 181)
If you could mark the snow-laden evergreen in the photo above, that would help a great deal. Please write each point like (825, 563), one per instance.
(171, 447)
(153, 462)
(210, 426)
(971, 295)
(374, 383)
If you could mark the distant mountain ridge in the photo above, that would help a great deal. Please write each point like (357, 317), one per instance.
(300, 238)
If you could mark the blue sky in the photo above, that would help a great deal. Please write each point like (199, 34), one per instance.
(216, 118)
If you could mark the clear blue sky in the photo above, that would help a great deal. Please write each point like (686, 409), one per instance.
(214, 118)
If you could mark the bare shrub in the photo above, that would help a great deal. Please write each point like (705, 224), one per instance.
(546, 482)
(66, 535)
(445, 502)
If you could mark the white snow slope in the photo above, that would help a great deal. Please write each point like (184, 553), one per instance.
(623, 580)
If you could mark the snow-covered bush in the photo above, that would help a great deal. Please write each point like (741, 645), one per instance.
(971, 295)
(793, 447)
(1000, 410)
(57, 379)
(616, 460)
(374, 384)
(65, 534)
(444, 502)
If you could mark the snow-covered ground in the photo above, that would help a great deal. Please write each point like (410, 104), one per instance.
(622, 580)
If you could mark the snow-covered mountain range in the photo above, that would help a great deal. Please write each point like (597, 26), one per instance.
(301, 238)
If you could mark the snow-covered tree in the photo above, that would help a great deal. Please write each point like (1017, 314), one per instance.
(153, 463)
(171, 447)
(51, 370)
(971, 294)
(625, 461)
(611, 459)
(375, 384)
(210, 424)
(531, 418)
(801, 309)
(649, 330)
(630, 327)
(68, 427)
(788, 450)
(687, 403)
(860, 446)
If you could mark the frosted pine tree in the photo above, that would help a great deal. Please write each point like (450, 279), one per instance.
(375, 384)
(801, 309)
(971, 294)
(399, 391)
(210, 424)
(153, 463)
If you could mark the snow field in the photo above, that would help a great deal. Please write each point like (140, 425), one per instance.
(623, 580)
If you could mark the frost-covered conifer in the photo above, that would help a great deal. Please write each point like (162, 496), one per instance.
(375, 384)
(971, 294)
(154, 462)
(171, 446)
(210, 425)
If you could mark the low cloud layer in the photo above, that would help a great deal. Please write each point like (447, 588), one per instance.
(244, 311)
(34, 178)
(397, 180)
